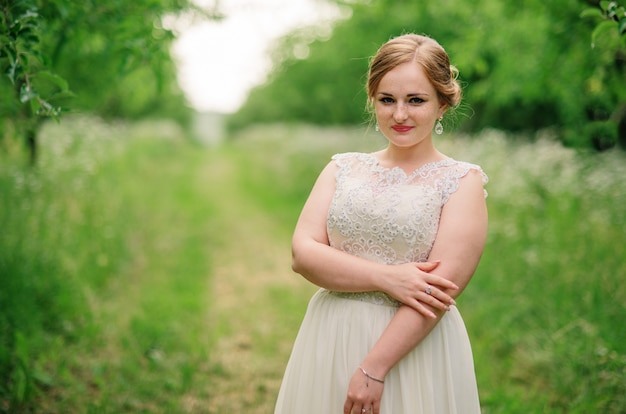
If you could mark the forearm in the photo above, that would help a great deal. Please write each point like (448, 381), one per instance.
(336, 270)
(332, 269)
(406, 330)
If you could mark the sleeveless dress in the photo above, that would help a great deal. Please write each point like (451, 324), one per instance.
(391, 217)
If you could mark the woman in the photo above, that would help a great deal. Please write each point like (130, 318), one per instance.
(391, 237)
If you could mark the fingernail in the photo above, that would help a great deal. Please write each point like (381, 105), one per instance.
(453, 302)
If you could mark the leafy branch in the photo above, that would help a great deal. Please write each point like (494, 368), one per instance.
(22, 61)
(611, 15)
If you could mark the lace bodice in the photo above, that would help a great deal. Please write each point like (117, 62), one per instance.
(386, 215)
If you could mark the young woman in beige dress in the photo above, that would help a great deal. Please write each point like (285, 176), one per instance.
(391, 238)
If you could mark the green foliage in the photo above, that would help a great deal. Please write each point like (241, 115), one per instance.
(24, 63)
(116, 53)
(524, 66)
(113, 55)
(78, 231)
(611, 15)
(603, 134)
(609, 36)
(546, 287)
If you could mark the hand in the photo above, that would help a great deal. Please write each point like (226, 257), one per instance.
(413, 285)
(364, 395)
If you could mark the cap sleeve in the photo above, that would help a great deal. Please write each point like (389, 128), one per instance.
(452, 178)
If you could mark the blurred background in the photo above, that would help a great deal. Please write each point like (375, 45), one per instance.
(155, 154)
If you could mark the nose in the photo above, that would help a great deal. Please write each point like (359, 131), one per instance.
(400, 114)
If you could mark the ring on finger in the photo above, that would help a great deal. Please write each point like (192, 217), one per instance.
(428, 290)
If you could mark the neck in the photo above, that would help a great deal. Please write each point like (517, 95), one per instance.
(411, 157)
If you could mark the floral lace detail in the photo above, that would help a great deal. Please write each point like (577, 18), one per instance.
(377, 298)
(386, 215)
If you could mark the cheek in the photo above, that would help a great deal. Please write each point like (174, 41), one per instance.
(428, 113)
(382, 111)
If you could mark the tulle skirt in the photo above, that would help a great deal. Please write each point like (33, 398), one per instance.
(336, 334)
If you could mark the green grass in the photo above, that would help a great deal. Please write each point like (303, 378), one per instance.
(545, 307)
(104, 271)
(142, 274)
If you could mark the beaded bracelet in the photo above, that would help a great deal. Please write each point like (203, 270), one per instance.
(369, 377)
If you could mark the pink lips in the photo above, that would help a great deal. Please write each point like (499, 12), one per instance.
(401, 128)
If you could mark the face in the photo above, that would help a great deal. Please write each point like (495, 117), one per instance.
(407, 105)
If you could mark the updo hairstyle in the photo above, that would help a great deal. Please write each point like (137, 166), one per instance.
(424, 51)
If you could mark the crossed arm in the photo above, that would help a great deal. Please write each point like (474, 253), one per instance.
(455, 254)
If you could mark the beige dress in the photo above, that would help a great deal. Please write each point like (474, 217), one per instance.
(386, 216)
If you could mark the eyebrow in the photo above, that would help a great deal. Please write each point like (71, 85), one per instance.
(410, 95)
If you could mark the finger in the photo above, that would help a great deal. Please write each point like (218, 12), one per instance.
(357, 409)
(435, 303)
(428, 266)
(437, 298)
(443, 297)
(376, 407)
(441, 282)
(419, 307)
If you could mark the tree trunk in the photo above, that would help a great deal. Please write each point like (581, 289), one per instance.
(619, 116)
(31, 145)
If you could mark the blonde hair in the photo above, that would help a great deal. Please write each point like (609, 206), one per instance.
(425, 52)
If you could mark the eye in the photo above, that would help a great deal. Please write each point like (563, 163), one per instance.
(386, 100)
(416, 100)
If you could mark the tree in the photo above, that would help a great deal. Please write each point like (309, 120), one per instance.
(110, 57)
(524, 66)
(609, 35)
(33, 89)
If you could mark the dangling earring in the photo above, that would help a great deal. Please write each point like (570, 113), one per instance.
(439, 126)
(376, 127)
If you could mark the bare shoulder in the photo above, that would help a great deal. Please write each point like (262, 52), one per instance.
(329, 171)
(326, 182)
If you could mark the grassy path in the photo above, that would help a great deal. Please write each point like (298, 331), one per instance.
(251, 276)
(200, 314)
